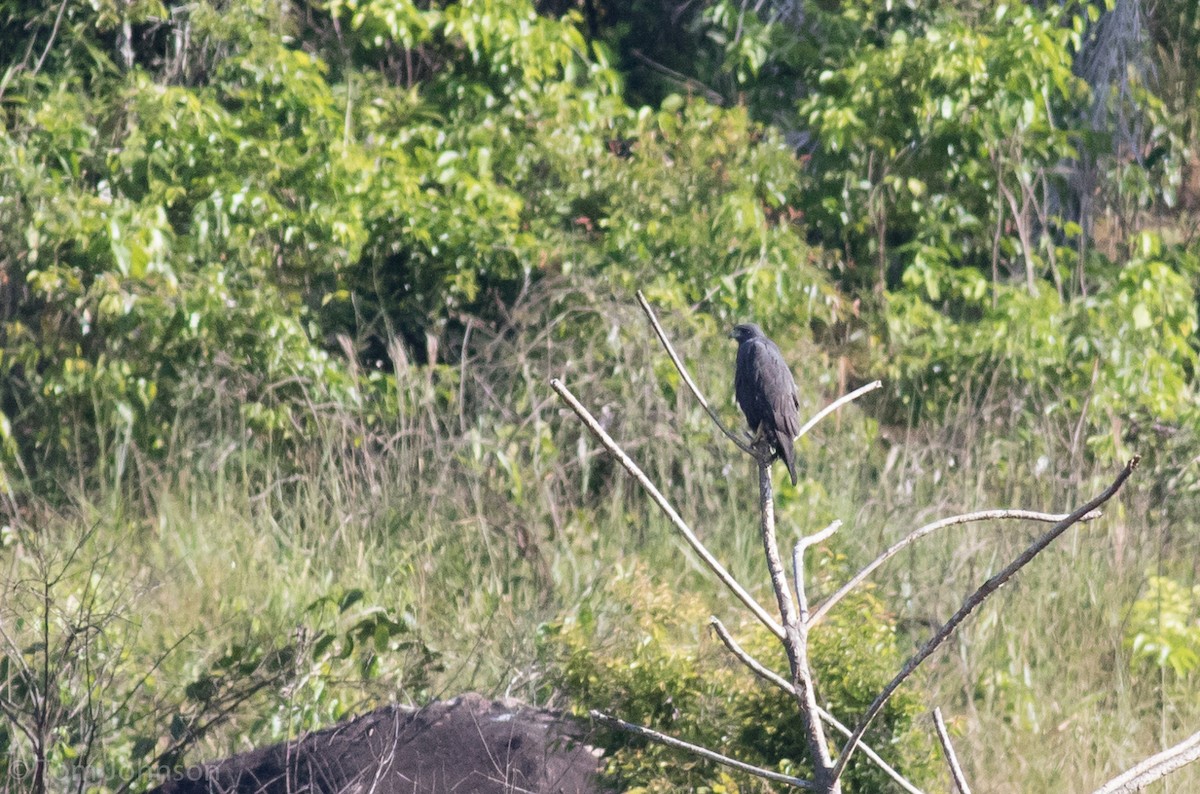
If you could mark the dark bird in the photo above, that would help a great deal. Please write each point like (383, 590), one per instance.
(766, 392)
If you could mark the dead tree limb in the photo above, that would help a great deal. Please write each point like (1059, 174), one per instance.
(912, 537)
(969, 606)
(606, 440)
(798, 567)
(771, 677)
(838, 403)
(696, 749)
(1154, 768)
(956, 773)
(739, 442)
(795, 641)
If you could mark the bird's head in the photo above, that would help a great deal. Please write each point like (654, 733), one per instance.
(744, 332)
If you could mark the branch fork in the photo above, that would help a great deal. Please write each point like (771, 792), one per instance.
(797, 619)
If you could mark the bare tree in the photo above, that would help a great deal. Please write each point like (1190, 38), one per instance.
(796, 617)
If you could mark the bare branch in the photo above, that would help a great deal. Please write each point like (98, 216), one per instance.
(798, 565)
(756, 667)
(1154, 767)
(981, 515)
(796, 638)
(969, 606)
(960, 780)
(820, 537)
(50, 41)
(695, 749)
(687, 378)
(770, 676)
(838, 403)
(665, 506)
(766, 504)
(887, 768)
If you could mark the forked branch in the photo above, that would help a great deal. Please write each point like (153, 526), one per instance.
(695, 749)
(917, 534)
(795, 641)
(770, 676)
(986, 589)
(606, 440)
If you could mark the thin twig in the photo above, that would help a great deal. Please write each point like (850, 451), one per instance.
(838, 403)
(1154, 767)
(688, 82)
(820, 537)
(756, 667)
(660, 500)
(915, 535)
(770, 676)
(53, 34)
(798, 565)
(960, 780)
(969, 606)
(687, 378)
(696, 749)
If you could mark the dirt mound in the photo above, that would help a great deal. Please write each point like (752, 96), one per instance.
(469, 744)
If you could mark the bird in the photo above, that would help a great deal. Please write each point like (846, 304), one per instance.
(766, 392)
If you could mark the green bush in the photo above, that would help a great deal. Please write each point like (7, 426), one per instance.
(638, 650)
(1124, 354)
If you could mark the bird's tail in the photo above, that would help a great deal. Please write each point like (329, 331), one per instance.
(787, 451)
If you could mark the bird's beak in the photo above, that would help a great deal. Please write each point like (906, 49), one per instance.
(730, 335)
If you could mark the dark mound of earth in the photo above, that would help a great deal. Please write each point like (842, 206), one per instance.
(469, 744)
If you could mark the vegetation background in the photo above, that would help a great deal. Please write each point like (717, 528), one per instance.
(282, 285)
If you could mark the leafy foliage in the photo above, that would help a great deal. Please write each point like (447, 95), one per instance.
(231, 222)
(1163, 630)
(631, 650)
(309, 265)
(1123, 353)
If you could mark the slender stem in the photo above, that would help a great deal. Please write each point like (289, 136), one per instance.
(687, 378)
(960, 780)
(770, 676)
(912, 537)
(798, 565)
(726, 578)
(1155, 767)
(969, 606)
(695, 749)
(756, 667)
(838, 403)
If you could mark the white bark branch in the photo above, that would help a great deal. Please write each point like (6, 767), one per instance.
(798, 565)
(660, 500)
(703, 752)
(974, 600)
(795, 639)
(838, 403)
(981, 515)
(1155, 767)
(771, 677)
(960, 780)
(687, 378)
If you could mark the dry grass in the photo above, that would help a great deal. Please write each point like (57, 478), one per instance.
(476, 508)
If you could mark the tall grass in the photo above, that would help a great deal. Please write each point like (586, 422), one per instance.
(463, 498)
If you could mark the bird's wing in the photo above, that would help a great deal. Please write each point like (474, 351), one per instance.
(780, 389)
